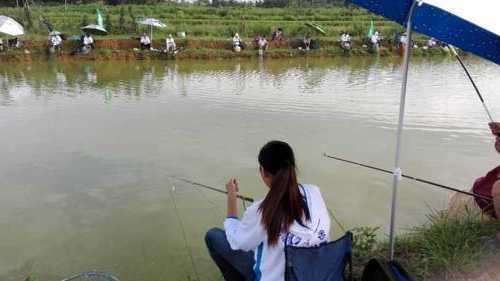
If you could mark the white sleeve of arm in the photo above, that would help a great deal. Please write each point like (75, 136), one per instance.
(246, 233)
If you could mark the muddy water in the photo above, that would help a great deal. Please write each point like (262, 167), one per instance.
(88, 151)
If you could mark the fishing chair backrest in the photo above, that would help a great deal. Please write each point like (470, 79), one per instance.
(327, 262)
(382, 270)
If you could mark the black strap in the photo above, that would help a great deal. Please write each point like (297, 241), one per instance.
(287, 265)
(349, 263)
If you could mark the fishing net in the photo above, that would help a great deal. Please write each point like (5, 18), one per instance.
(92, 276)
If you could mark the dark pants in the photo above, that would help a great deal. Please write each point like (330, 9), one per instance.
(234, 265)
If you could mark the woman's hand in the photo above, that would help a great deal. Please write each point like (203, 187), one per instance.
(495, 128)
(232, 188)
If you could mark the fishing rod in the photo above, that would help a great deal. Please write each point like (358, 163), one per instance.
(471, 80)
(410, 177)
(244, 198)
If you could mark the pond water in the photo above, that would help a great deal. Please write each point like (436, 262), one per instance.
(89, 150)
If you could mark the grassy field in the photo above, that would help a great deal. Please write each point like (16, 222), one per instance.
(204, 22)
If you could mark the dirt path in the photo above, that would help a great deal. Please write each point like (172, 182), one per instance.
(486, 270)
(489, 271)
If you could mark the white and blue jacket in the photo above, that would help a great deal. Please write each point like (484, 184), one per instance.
(248, 234)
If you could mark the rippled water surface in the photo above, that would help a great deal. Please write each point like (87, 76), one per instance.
(88, 151)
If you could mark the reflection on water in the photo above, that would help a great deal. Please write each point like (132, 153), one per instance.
(88, 150)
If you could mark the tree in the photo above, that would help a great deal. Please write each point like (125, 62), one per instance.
(133, 21)
(27, 15)
(85, 20)
(108, 23)
(113, 2)
(121, 21)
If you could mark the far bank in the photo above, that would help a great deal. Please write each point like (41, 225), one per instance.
(203, 48)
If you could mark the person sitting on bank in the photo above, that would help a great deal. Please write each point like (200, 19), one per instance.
(14, 43)
(170, 44)
(88, 41)
(252, 247)
(1, 44)
(237, 44)
(345, 41)
(278, 35)
(431, 43)
(262, 43)
(145, 42)
(306, 43)
(375, 40)
(55, 41)
(489, 185)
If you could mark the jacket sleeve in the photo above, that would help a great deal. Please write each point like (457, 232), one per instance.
(246, 233)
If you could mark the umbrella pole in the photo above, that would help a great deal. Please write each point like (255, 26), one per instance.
(397, 170)
(151, 33)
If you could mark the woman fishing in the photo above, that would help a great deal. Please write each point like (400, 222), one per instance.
(252, 247)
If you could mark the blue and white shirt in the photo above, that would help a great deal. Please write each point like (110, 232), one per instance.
(248, 234)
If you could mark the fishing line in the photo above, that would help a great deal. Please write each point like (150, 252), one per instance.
(410, 177)
(216, 206)
(471, 80)
(184, 236)
(336, 220)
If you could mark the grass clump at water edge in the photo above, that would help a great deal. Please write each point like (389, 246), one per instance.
(444, 246)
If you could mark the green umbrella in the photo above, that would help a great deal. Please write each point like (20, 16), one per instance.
(371, 29)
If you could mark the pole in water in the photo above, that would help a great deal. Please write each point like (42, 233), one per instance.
(438, 185)
(472, 81)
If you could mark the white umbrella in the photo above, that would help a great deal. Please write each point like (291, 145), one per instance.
(95, 29)
(152, 22)
(54, 33)
(10, 26)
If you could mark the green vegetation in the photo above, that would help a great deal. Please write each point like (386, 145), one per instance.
(444, 245)
(203, 21)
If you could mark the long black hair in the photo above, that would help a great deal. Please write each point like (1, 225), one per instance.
(283, 204)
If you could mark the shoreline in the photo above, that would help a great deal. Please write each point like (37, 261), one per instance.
(447, 247)
(202, 49)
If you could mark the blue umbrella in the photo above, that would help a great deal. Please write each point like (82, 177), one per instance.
(470, 25)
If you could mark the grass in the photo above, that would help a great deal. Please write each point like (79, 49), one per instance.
(445, 245)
